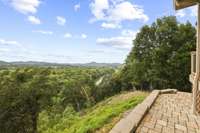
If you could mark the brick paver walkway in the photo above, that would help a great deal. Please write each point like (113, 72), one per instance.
(171, 113)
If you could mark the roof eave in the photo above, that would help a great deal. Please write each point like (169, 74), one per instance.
(185, 3)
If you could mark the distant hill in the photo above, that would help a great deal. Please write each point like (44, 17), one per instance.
(2, 63)
(95, 64)
(47, 64)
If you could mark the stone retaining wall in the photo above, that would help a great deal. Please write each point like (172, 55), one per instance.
(197, 98)
(130, 123)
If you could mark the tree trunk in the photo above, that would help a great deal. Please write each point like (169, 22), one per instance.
(77, 105)
(34, 120)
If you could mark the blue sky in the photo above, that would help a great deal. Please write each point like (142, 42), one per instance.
(77, 31)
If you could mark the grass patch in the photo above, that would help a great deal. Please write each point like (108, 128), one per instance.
(103, 116)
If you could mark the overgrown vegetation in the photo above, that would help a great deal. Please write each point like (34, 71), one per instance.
(92, 119)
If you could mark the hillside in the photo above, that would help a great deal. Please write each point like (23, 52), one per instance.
(48, 64)
(99, 118)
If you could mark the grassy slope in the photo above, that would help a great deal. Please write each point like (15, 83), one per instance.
(102, 117)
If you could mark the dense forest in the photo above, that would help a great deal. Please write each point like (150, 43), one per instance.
(25, 92)
(50, 99)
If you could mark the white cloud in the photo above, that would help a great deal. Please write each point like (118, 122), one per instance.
(116, 11)
(60, 20)
(77, 7)
(9, 43)
(105, 51)
(110, 25)
(34, 20)
(98, 51)
(117, 42)
(180, 13)
(98, 7)
(44, 32)
(25, 6)
(127, 11)
(83, 36)
(4, 50)
(129, 33)
(67, 35)
(124, 41)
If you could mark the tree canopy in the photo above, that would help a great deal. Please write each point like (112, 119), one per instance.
(26, 92)
(160, 57)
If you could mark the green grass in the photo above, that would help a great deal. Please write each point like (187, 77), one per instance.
(104, 114)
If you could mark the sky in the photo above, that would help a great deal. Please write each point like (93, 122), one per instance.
(78, 31)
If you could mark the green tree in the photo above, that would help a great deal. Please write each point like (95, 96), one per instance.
(24, 93)
(160, 57)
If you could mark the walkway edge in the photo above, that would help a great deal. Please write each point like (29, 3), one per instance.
(130, 123)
